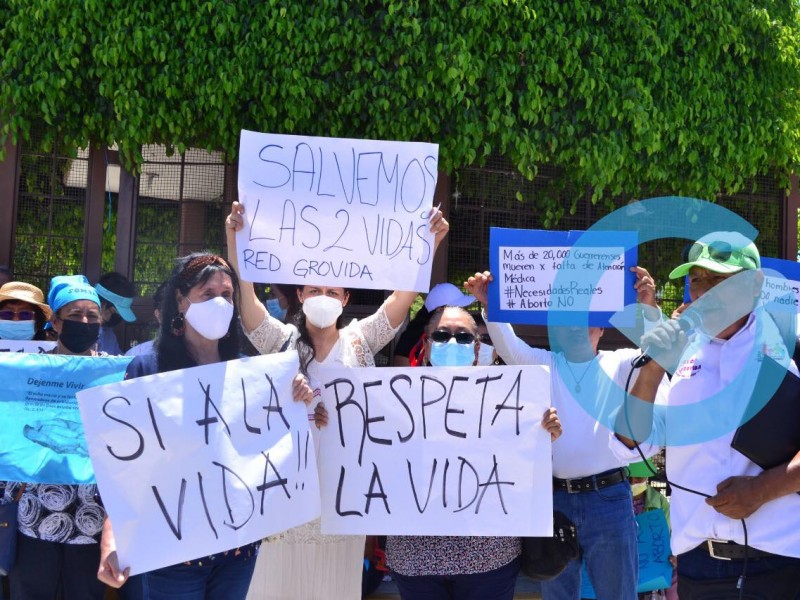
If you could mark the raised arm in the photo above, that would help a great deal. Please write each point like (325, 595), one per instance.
(398, 303)
(250, 308)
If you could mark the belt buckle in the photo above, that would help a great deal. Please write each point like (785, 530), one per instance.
(710, 544)
(570, 490)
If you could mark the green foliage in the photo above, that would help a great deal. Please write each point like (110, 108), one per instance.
(623, 96)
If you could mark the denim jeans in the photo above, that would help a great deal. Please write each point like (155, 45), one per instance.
(227, 578)
(607, 536)
(498, 584)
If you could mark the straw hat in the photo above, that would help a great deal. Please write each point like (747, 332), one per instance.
(25, 292)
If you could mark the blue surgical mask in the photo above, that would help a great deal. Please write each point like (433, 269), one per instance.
(485, 355)
(275, 309)
(452, 354)
(17, 330)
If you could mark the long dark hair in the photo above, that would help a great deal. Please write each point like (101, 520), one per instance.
(190, 271)
(305, 346)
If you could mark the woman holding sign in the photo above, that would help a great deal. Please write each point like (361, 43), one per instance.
(463, 567)
(60, 525)
(198, 327)
(303, 563)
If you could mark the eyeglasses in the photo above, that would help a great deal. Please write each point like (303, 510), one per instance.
(485, 339)
(721, 252)
(24, 315)
(443, 336)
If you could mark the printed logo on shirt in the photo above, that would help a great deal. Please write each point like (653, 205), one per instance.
(689, 368)
(776, 352)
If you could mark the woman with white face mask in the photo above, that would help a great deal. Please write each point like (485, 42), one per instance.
(199, 326)
(303, 563)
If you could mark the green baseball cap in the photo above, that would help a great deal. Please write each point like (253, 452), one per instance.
(723, 252)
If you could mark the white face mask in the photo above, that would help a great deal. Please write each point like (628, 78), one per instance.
(211, 318)
(638, 488)
(485, 355)
(322, 311)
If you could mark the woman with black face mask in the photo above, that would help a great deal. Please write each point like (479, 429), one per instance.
(60, 525)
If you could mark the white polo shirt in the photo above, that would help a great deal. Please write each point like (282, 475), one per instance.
(584, 447)
(713, 365)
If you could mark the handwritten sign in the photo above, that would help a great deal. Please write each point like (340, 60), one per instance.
(41, 437)
(336, 212)
(29, 346)
(557, 277)
(199, 461)
(436, 451)
(781, 282)
(652, 540)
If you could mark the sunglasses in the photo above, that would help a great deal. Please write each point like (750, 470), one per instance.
(443, 336)
(717, 251)
(24, 315)
(485, 339)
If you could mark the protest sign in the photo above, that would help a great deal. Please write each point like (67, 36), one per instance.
(436, 451)
(30, 346)
(41, 438)
(200, 461)
(652, 541)
(336, 212)
(558, 277)
(781, 282)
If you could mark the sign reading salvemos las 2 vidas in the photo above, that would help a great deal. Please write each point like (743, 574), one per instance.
(336, 212)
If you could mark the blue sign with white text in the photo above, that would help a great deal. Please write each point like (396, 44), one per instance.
(562, 277)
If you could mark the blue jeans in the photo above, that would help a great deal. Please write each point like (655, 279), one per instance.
(607, 536)
(497, 584)
(227, 578)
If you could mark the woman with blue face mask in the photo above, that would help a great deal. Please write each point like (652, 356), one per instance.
(23, 312)
(455, 567)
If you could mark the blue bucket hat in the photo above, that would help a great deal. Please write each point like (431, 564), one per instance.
(68, 288)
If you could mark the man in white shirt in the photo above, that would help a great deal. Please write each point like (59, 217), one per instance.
(589, 482)
(715, 488)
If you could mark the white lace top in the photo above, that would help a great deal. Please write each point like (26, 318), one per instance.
(358, 343)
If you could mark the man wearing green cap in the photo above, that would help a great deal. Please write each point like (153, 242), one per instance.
(714, 486)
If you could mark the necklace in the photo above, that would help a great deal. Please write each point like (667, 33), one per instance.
(575, 379)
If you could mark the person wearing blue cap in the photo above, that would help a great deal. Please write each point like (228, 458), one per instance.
(60, 525)
(116, 294)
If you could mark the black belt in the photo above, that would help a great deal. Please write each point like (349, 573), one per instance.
(589, 484)
(732, 551)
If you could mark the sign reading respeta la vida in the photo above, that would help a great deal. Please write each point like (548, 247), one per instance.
(336, 212)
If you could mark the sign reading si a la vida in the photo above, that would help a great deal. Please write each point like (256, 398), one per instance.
(436, 451)
(209, 458)
(336, 212)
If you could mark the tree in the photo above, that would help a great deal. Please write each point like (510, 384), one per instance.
(624, 96)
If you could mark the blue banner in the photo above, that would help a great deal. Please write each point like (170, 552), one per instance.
(42, 440)
(655, 570)
(562, 277)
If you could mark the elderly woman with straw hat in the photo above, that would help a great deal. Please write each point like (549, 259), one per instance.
(23, 311)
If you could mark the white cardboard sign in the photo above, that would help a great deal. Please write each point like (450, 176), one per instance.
(199, 461)
(436, 451)
(336, 212)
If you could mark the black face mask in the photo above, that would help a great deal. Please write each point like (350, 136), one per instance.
(78, 336)
(114, 320)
